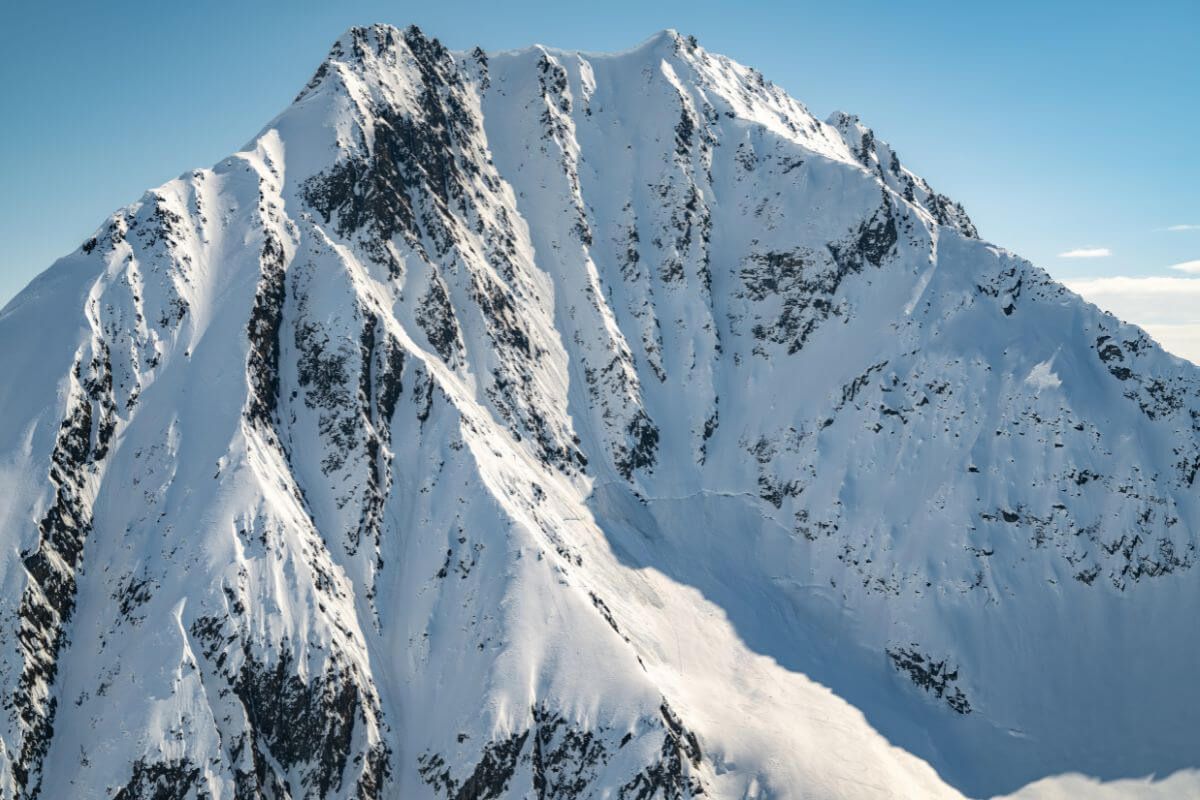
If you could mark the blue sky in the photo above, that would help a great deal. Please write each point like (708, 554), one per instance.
(1060, 126)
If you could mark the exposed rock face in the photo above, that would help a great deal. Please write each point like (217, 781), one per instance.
(541, 424)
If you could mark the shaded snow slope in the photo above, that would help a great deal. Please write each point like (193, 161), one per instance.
(549, 424)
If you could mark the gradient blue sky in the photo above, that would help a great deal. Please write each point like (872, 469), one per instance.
(1059, 125)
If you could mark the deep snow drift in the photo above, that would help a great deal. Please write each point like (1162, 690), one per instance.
(549, 424)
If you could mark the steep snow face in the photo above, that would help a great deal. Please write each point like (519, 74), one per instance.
(550, 424)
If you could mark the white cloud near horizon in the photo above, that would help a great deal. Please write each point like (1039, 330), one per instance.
(1180, 228)
(1087, 252)
(1187, 266)
(1166, 306)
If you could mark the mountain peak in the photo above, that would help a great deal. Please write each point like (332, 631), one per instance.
(560, 424)
(665, 38)
(878, 156)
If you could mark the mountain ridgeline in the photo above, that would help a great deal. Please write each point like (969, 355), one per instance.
(543, 424)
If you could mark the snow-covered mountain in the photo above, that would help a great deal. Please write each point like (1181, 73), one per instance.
(563, 425)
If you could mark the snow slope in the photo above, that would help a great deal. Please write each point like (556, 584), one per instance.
(550, 424)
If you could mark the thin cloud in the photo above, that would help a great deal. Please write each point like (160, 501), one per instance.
(1192, 267)
(1181, 228)
(1087, 252)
